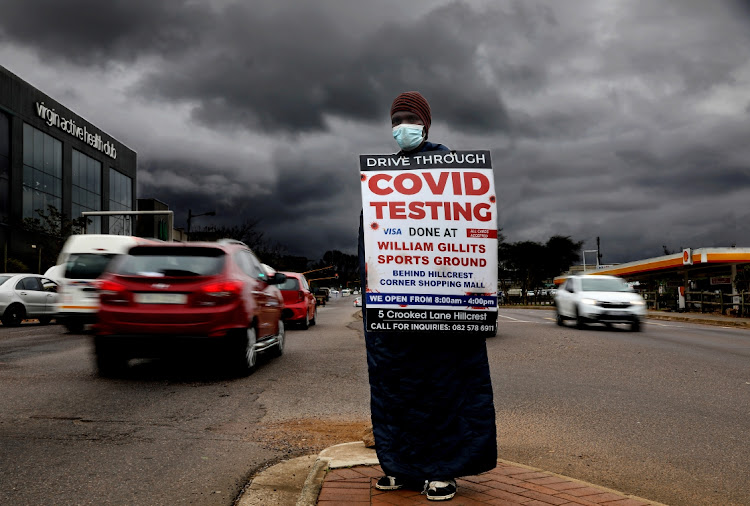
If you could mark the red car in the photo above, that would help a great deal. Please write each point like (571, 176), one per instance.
(159, 299)
(299, 302)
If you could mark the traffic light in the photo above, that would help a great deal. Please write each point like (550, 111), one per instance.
(336, 275)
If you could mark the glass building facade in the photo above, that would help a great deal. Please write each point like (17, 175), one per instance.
(4, 168)
(42, 172)
(120, 199)
(87, 189)
(52, 159)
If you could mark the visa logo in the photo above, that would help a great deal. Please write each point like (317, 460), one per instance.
(392, 231)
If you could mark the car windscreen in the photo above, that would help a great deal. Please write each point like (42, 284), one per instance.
(604, 285)
(157, 261)
(289, 284)
(86, 265)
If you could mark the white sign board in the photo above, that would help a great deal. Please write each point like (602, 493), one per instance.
(430, 232)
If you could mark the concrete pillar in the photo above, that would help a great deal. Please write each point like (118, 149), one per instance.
(681, 292)
(735, 297)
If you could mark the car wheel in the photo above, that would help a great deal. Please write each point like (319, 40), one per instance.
(74, 325)
(580, 323)
(560, 320)
(281, 337)
(635, 325)
(306, 322)
(248, 354)
(44, 320)
(315, 315)
(109, 362)
(242, 355)
(14, 315)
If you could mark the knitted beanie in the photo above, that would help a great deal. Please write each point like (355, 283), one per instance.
(412, 101)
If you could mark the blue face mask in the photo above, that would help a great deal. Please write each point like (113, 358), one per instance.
(408, 136)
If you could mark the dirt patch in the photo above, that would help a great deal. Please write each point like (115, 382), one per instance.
(311, 434)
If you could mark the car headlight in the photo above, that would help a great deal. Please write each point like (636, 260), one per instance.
(639, 302)
(590, 302)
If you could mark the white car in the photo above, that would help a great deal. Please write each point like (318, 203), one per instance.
(599, 299)
(27, 296)
(358, 302)
(82, 259)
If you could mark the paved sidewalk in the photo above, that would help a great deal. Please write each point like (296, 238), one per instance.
(506, 485)
(345, 483)
(701, 318)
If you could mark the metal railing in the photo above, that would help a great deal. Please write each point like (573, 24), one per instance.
(737, 304)
(530, 300)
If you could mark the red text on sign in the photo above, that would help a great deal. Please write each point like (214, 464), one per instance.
(411, 183)
(434, 210)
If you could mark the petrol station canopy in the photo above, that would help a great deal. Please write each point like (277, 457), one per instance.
(705, 264)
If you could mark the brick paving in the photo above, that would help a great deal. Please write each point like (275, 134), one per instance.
(505, 485)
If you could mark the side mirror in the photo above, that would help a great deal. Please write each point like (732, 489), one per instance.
(276, 279)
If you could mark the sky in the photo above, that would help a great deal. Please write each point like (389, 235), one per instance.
(627, 120)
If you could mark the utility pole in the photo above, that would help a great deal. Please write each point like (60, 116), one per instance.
(598, 252)
(584, 258)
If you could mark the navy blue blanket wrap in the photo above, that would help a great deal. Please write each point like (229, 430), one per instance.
(433, 416)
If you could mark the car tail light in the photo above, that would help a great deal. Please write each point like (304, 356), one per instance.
(221, 292)
(112, 292)
(300, 296)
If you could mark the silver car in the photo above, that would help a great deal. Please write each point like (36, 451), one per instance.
(27, 296)
(599, 299)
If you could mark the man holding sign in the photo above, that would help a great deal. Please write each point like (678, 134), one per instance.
(428, 264)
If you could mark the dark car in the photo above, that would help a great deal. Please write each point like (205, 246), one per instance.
(159, 299)
(300, 306)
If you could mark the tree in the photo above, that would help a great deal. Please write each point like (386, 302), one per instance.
(524, 262)
(268, 252)
(343, 264)
(529, 263)
(562, 252)
(50, 230)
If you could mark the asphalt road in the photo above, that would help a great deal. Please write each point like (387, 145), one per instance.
(662, 414)
(168, 432)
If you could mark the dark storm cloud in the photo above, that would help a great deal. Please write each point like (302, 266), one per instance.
(91, 32)
(255, 75)
(308, 208)
(625, 120)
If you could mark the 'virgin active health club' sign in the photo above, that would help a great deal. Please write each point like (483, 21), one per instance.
(430, 231)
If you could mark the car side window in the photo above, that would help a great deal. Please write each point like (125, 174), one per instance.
(304, 283)
(241, 261)
(569, 286)
(30, 284)
(252, 265)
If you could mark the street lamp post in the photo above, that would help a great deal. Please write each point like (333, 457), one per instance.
(191, 216)
(39, 269)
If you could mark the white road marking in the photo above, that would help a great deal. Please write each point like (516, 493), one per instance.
(664, 324)
(514, 319)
